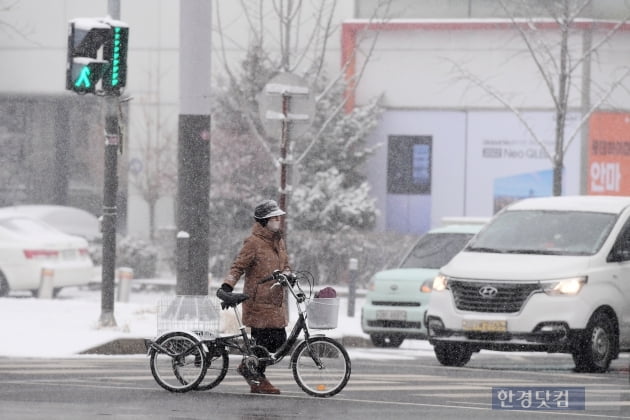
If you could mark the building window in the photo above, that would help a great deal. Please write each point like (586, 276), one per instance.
(409, 165)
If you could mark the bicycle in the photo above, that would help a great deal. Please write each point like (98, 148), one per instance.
(182, 361)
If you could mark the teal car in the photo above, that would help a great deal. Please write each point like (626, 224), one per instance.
(398, 299)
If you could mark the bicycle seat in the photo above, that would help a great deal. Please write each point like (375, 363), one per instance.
(229, 299)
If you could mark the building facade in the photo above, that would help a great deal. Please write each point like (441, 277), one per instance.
(470, 125)
(448, 146)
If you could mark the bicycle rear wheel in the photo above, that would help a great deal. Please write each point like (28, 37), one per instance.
(183, 367)
(321, 366)
(217, 364)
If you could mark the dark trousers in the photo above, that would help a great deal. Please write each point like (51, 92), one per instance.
(269, 338)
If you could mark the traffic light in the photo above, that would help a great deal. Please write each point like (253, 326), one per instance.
(97, 52)
(115, 52)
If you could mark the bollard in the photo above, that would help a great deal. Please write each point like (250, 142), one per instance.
(353, 267)
(182, 263)
(210, 282)
(46, 283)
(124, 275)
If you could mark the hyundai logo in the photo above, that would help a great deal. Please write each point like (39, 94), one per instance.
(394, 287)
(488, 292)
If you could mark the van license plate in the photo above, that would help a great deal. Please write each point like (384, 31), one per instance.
(484, 326)
(391, 315)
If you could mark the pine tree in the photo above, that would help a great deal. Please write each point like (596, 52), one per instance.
(330, 195)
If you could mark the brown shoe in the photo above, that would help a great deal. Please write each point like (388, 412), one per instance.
(265, 387)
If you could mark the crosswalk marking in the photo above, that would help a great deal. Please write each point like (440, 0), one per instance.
(468, 387)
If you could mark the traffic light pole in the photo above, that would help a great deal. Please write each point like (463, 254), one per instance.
(97, 53)
(110, 191)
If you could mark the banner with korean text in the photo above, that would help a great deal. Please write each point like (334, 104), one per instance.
(609, 154)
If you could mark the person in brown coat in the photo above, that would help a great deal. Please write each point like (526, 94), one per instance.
(263, 252)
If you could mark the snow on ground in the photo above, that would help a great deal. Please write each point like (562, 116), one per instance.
(69, 324)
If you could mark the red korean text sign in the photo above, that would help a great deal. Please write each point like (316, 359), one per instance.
(609, 154)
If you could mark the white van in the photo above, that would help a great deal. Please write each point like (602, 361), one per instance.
(546, 274)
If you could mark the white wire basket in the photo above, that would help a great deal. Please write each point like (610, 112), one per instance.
(322, 313)
(197, 314)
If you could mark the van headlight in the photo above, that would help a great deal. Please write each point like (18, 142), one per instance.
(564, 287)
(440, 283)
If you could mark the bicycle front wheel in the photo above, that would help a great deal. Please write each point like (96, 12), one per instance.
(321, 366)
(180, 366)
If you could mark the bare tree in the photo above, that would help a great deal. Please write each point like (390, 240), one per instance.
(559, 64)
(156, 174)
(303, 58)
(10, 28)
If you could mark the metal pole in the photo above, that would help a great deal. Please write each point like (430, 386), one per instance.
(284, 144)
(353, 267)
(113, 8)
(110, 191)
(585, 99)
(284, 199)
(182, 260)
(193, 184)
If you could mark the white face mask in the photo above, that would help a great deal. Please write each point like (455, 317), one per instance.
(273, 225)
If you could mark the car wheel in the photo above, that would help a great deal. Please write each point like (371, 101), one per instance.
(452, 354)
(596, 347)
(4, 285)
(387, 340)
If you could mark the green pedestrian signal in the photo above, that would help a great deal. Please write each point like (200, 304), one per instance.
(97, 56)
(84, 79)
(85, 74)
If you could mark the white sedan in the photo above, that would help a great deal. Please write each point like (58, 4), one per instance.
(29, 248)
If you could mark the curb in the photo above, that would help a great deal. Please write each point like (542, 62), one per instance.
(126, 346)
(118, 347)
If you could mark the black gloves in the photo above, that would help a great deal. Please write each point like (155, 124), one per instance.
(227, 288)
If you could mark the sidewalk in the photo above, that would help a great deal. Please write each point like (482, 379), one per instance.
(68, 325)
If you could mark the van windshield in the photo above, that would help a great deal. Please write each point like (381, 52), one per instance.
(434, 250)
(545, 232)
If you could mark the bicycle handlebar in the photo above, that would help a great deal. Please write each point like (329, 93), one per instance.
(289, 280)
(278, 275)
(273, 276)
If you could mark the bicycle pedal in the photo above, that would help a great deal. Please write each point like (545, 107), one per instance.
(249, 376)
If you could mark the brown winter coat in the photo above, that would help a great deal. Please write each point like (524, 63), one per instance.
(262, 253)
